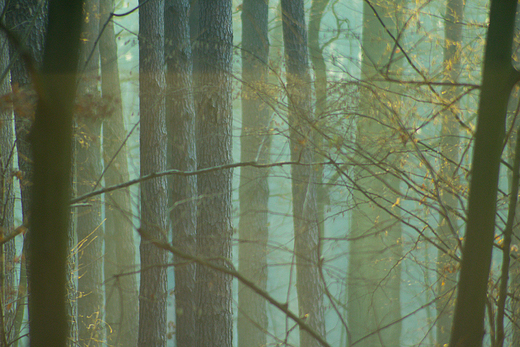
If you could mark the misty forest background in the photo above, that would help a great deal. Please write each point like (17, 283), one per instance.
(312, 165)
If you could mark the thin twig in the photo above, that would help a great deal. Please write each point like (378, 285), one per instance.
(187, 173)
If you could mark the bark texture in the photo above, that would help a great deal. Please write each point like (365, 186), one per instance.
(7, 251)
(304, 191)
(27, 19)
(89, 224)
(154, 198)
(180, 120)
(320, 86)
(254, 188)
(121, 296)
(213, 126)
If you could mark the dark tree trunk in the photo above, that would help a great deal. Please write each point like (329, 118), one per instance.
(154, 199)
(180, 121)
(20, 17)
(121, 296)
(254, 189)
(27, 19)
(304, 192)
(214, 117)
(51, 143)
(499, 77)
(447, 230)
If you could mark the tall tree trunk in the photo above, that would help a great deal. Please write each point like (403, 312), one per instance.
(90, 225)
(180, 121)
(154, 198)
(514, 123)
(7, 251)
(214, 117)
(304, 192)
(375, 247)
(499, 77)
(27, 19)
(50, 204)
(320, 86)
(447, 230)
(121, 297)
(254, 188)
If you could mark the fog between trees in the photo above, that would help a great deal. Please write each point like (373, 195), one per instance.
(259, 173)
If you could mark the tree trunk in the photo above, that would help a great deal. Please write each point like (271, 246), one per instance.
(7, 251)
(447, 230)
(180, 111)
(254, 188)
(51, 143)
(20, 17)
(121, 297)
(304, 192)
(27, 19)
(152, 298)
(375, 246)
(499, 77)
(214, 117)
(514, 123)
(89, 227)
(320, 86)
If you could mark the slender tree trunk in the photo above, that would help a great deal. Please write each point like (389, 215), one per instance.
(51, 143)
(180, 121)
(90, 225)
(513, 115)
(304, 192)
(214, 117)
(447, 230)
(499, 77)
(254, 188)
(320, 86)
(375, 246)
(121, 297)
(7, 251)
(154, 198)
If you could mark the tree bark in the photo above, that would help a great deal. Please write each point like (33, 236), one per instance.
(27, 19)
(89, 225)
(499, 77)
(214, 117)
(154, 199)
(304, 193)
(320, 86)
(7, 251)
(180, 120)
(254, 188)
(51, 143)
(121, 296)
